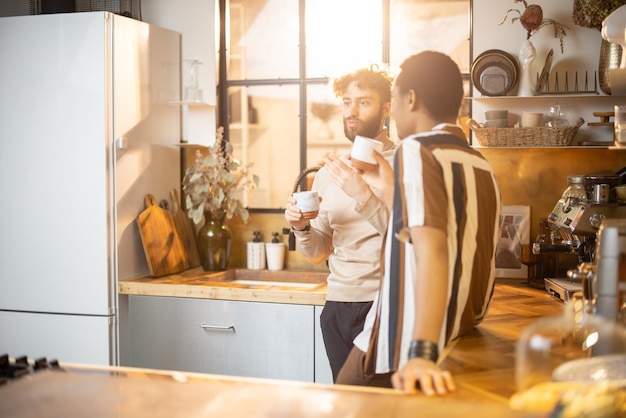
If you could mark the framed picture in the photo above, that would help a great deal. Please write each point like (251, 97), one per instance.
(514, 231)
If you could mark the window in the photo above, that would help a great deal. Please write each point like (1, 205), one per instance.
(277, 57)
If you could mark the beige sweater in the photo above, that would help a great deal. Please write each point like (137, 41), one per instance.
(349, 236)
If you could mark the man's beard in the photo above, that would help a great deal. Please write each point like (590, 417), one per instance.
(368, 128)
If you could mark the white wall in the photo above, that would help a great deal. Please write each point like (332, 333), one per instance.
(581, 53)
(581, 45)
(195, 20)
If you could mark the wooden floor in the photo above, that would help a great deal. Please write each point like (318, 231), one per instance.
(484, 361)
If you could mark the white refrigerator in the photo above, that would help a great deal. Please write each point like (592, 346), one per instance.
(87, 128)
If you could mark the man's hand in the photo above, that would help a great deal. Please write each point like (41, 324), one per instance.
(432, 380)
(380, 178)
(294, 216)
(347, 179)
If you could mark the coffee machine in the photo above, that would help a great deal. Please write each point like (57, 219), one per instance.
(574, 222)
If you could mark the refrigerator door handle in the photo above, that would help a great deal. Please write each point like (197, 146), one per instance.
(217, 327)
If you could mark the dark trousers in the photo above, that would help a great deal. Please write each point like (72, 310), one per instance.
(353, 373)
(341, 322)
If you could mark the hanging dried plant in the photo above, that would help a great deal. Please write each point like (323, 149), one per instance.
(532, 20)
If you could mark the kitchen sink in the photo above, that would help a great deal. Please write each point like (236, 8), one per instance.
(275, 283)
(270, 278)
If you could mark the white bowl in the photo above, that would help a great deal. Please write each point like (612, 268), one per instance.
(621, 192)
(610, 368)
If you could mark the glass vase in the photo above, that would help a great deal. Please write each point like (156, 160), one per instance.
(214, 242)
(610, 57)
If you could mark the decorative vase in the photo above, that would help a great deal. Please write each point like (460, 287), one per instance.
(527, 82)
(214, 242)
(610, 56)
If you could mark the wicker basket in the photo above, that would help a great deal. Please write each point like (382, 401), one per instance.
(525, 137)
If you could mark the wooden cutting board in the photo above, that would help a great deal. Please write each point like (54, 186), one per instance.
(185, 230)
(164, 249)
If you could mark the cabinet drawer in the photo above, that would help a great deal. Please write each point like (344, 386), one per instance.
(253, 339)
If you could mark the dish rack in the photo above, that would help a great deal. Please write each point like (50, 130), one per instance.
(525, 137)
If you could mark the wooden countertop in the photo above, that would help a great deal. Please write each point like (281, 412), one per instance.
(128, 392)
(482, 363)
(282, 286)
(485, 359)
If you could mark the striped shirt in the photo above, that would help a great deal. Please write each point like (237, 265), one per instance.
(441, 182)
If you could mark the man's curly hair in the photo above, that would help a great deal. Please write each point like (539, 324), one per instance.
(366, 78)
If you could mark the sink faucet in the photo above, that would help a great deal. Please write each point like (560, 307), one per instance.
(297, 187)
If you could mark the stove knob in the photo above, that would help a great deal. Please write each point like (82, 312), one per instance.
(41, 363)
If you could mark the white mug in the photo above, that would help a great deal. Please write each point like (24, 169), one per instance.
(362, 154)
(308, 202)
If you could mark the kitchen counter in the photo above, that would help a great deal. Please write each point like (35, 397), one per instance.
(282, 286)
(88, 391)
(482, 363)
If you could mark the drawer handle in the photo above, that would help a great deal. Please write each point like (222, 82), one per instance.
(218, 327)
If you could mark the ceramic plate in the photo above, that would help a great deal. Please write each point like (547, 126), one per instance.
(611, 368)
(494, 73)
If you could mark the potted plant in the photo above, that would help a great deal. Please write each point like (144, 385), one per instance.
(591, 14)
(213, 188)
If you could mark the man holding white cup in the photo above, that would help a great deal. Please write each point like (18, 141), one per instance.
(348, 231)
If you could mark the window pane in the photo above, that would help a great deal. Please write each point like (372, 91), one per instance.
(342, 36)
(429, 25)
(264, 130)
(324, 125)
(263, 39)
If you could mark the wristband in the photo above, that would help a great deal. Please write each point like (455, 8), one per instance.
(306, 228)
(424, 349)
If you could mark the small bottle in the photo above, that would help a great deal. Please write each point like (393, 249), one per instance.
(256, 252)
(275, 252)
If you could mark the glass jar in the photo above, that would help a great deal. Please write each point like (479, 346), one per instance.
(552, 341)
(575, 188)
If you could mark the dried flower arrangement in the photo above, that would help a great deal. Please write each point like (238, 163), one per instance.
(532, 20)
(591, 13)
(215, 181)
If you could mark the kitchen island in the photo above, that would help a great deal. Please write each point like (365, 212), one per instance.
(482, 363)
(88, 391)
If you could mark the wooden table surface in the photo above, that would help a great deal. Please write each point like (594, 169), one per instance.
(482, 364)
(485, 359)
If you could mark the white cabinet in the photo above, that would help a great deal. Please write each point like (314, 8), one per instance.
(323, 374)
(268, 340)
